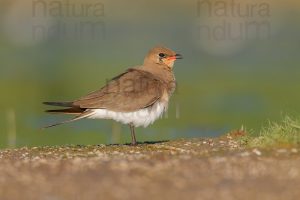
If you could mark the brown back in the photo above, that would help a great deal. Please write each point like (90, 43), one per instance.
(130, 91)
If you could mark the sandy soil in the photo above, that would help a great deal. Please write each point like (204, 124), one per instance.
(181, 169)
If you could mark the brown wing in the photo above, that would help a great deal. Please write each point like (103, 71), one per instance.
(132, 90)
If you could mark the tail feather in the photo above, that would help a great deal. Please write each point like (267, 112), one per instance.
(62, 104)
(74, 110)
(81, 116)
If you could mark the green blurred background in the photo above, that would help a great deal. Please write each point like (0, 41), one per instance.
(240, 66)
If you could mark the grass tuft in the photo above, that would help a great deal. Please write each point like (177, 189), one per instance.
(275, 134)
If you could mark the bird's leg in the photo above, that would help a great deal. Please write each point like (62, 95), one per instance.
(133, 140)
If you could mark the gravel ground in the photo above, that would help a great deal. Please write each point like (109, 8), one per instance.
(182, 169)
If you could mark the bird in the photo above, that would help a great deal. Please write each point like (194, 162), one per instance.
(136, 97)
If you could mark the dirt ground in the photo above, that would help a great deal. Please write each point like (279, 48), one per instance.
(182, 169)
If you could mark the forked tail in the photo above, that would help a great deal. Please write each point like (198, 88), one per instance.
(81, 116)
(81, 112)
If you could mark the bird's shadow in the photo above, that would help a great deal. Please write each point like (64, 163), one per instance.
(140, 143)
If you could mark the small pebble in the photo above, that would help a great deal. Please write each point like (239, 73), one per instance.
(294, 150)
(256, 151)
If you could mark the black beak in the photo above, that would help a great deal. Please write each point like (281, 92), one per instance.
(178, 56)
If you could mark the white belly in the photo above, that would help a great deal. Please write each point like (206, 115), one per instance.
(142, 117)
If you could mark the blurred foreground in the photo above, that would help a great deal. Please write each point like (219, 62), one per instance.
(182, 169)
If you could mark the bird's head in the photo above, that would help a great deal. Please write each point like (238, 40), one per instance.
(162, 56)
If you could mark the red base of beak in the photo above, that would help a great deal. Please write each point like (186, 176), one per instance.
(177, 56)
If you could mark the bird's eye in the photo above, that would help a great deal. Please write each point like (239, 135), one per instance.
(162, 55)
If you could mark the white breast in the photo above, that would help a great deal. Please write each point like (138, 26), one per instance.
(142, 117)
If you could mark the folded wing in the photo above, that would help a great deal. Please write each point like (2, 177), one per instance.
(132, 90)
